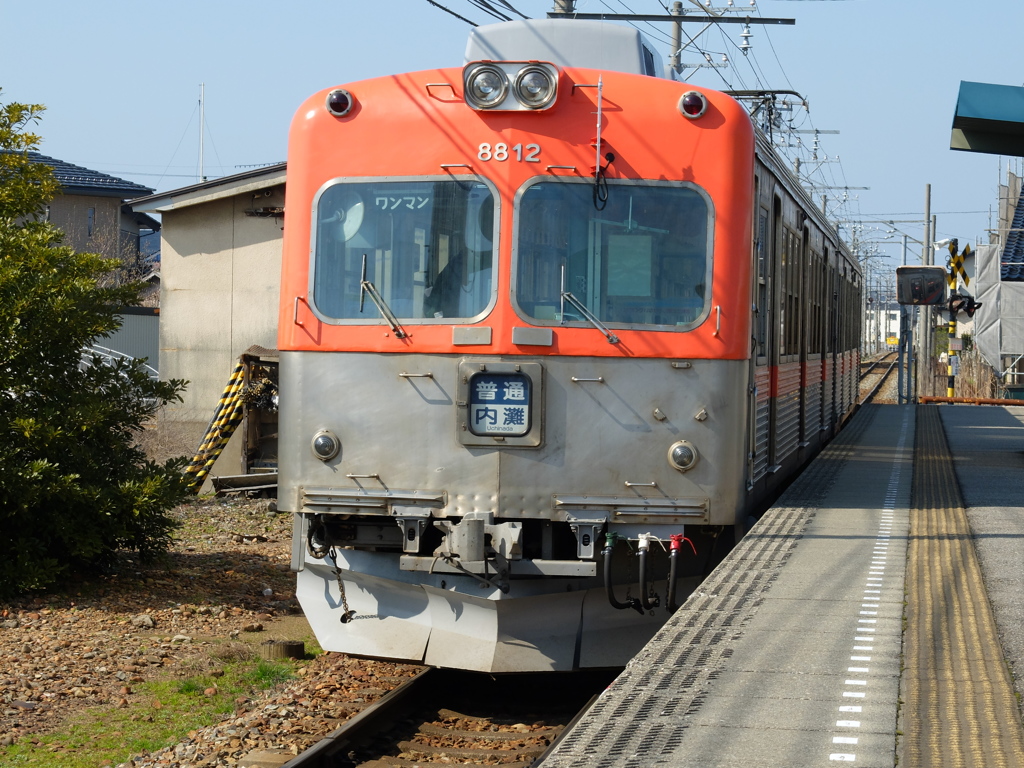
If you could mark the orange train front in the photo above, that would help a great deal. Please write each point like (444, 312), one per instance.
(540, 318)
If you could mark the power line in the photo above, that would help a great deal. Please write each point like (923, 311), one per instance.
(453, 13)
(486, 7)
(512, 8)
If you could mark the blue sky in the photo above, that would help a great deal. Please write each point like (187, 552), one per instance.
(121, 83)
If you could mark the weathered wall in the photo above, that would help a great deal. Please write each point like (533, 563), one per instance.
(220, 283)
(71, 214)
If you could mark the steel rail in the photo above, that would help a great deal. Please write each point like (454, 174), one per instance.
(322, 754)
(881, 380)
(565, 731)
(875, 363)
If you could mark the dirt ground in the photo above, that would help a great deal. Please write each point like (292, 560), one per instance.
(225, 588)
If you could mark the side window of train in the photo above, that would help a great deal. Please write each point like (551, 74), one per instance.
(782, 281)
(642, 259)
(805, 291)
(832, 300)
(814, 295)
(796, 276)
(761, 299)
(792, 297)
(823, 302)
(427, 247)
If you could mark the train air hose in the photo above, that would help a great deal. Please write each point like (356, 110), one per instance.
(648, 599)
(675, 546)
(631, 602)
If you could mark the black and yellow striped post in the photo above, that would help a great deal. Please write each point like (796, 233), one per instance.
(957, 302)
(226, 418)
(951, 362)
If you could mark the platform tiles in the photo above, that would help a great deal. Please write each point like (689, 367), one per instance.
(959, 706)
(788, 655)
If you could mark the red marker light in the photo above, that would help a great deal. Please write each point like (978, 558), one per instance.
(340, 102)
(693, 104)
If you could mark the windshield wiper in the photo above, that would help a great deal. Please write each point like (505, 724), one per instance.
(366, 287)
(587, 314)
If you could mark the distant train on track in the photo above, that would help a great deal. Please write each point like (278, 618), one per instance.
(552, 325)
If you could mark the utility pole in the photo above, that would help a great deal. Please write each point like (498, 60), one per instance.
(677, 37)
(906, 345)
(923, 379)
(565, 6)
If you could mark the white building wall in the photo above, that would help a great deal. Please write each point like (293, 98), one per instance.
(220, 287)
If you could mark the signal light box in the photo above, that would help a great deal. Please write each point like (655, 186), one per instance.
(921, 286)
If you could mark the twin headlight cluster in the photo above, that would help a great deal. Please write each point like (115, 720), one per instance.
(510, 85)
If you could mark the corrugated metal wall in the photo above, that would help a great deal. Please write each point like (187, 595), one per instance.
(138, 336)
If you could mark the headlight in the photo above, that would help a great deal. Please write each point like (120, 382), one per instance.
(682, 455)
(534, 87)
(325, 445)
(510, 86)
(486, 86)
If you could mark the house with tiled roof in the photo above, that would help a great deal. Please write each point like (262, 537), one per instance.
(92, 213)
(1012, 227)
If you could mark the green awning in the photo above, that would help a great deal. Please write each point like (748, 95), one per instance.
(989, 118)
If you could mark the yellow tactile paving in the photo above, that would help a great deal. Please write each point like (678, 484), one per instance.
(959, 707)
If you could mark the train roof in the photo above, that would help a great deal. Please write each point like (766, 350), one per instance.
(566, 43)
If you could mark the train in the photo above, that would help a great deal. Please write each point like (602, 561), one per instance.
(554, 329)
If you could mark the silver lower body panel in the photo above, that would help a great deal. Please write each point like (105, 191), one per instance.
(521, 632)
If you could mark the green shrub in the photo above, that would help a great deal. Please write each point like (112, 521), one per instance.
(74, 487)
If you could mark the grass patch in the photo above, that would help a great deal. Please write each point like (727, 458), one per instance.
(267, 674)
(159, 714)
(191, 687)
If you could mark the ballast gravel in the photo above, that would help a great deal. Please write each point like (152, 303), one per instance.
(225, 588)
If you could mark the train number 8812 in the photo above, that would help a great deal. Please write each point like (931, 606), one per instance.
(502, 152)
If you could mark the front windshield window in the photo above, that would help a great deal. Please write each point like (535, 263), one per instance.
(427, 248)
(643, 259)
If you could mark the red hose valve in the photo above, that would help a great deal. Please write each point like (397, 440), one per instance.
(676, 542)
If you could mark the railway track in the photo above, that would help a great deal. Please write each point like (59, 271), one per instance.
(877, 378)
(445, 717)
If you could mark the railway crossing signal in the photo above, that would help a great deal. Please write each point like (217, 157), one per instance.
(962, 302)
(958, 302)
(956, 264)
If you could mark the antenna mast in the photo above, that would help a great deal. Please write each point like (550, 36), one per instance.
(202, 126)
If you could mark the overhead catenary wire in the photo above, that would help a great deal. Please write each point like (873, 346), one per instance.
(489, 9)
(512, 8)
(453, 13)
